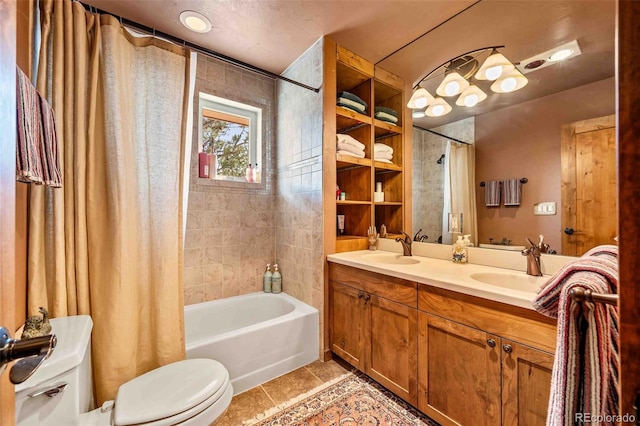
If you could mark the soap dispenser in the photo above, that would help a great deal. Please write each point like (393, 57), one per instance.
(459, 251)
(266, 280)
(276, 280)
(467, 241)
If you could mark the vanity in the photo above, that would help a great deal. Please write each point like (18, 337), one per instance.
(459, 342)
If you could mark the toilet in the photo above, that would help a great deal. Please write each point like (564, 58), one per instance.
(193, 392)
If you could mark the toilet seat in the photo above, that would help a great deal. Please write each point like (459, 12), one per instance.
(171, 394)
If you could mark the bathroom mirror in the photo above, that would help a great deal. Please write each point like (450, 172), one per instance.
(516, 135)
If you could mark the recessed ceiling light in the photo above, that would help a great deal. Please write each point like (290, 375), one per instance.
(195, 21)
(560, 55)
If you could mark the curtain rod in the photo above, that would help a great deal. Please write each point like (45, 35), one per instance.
(208, 52)
(441, 135)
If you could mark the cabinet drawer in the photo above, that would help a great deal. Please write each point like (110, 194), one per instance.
(391, 288)
(512, 322)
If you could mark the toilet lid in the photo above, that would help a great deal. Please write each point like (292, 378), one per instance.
(168, 390)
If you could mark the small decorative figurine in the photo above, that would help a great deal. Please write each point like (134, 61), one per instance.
(36, 326)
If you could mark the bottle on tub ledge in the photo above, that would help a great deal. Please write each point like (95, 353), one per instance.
(266, 280)
(276, 280)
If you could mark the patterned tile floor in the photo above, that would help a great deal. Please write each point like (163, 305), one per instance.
(261, 398)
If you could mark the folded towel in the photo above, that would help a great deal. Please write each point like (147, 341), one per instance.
(382, 156)
(384, 161)
(380, 147)
(512, 192)
(352, 154)
(354, 106)
(386, 117)
(346, 147)
(386, 110)
(352, 97)
(492, 193)
(586, 363)
(349, 140)
(37, 143)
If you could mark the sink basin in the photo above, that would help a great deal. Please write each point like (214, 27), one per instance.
(391, 259)
(510, 281)
(502, 247)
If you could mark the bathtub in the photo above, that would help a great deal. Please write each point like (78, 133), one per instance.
(257, 337)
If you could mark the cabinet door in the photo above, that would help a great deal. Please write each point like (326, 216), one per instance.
(458, 373)
(526, 383)
(392, 347)
(346, 313)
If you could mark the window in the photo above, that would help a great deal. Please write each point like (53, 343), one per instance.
(232, 131)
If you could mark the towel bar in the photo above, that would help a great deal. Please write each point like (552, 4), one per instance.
(523, 180)
(586, 295)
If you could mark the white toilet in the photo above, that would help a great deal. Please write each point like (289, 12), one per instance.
(192, 392)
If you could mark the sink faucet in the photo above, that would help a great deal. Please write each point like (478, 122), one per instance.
(533, 259)
(406, 243)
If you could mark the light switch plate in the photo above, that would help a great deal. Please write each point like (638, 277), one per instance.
(547, 208)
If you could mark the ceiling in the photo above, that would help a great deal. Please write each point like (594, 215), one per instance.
(271, 34)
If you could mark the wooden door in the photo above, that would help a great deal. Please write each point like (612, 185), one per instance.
(526, 383)
(347, 313)
(7, 191)
(458, 373)
(589, 190)
(629, 187)
(392, 347)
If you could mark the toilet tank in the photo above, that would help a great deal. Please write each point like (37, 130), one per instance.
(69, 363)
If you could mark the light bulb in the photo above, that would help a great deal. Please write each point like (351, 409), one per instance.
(471, 100)
(452, 88)
(420, 103)
(560, 55)
(195, 23)
(437, 110)
(494, 73)
(508, 84)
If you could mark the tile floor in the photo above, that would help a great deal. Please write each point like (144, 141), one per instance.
(261, 398)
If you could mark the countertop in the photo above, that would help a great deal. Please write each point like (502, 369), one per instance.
(512, 287)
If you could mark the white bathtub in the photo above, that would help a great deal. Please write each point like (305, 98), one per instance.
(257, 337)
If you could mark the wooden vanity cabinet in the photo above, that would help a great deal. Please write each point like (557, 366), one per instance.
(470, 350)
(374, 326)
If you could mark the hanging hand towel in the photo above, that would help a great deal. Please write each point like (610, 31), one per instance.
(512, 192)
(492, 193)
(586, 364)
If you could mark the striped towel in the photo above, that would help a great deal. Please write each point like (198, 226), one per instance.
(586, 364)
(37, 143)
(512, 192)
(492, 193)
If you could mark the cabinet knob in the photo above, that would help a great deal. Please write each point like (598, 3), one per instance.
(507, 348)
(360, 295)
(491, 343)
(367, 297)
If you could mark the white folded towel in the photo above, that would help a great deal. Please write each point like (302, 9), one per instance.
(349, 140)
(384, 161)
(351, 154)
(382, 156)
(350, 148)
(380, 147)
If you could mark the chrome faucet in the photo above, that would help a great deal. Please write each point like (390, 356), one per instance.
(533, 259)
(406, 243)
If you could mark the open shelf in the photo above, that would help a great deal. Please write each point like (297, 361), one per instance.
(384, 127)
(346, 161)
(351, 202)
(382, 167)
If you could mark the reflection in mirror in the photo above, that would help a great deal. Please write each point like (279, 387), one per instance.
(520, 134)
(229, 137)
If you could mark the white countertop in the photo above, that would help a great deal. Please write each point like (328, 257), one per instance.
(513, 287)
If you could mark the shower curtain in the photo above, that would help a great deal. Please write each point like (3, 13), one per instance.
(109, 243)
(459, 191)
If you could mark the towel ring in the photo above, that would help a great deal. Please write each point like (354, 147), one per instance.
(522, 180)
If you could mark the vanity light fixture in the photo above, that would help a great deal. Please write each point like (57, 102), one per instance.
(195, 21)
(460, 77)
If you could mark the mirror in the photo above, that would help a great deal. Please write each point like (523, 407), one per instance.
(518, 134)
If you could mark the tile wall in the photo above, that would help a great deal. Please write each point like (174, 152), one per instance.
(230, 233)
(428, 175)
(298, 203)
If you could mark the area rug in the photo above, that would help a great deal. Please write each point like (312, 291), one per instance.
(353, 399)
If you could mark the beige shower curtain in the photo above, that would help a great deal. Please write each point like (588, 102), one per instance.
(109, 243)
(460, 191)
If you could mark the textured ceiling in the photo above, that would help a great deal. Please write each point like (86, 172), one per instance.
(271, 34)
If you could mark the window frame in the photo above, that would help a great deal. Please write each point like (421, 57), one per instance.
(243, 111)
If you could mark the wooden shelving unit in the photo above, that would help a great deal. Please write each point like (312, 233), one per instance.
(346, 71)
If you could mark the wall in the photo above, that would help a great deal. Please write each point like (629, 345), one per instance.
(428, 175)
(524, 141)
(299, 212)
(230, 226)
